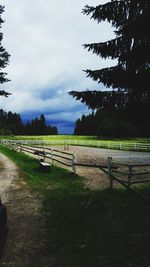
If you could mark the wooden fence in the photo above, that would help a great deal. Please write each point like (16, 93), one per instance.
(46, 154)
(55, 155)
(128, 173)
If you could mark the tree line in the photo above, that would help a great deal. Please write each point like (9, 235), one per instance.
(12, 124)
(125, 121)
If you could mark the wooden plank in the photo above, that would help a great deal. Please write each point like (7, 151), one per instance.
(60, 156)
(130, 164)
(144, 180)
(140, 173)
(94, 166)
(63, 152)
(69, 165)
(121, 172)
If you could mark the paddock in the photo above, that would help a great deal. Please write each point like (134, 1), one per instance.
(90, 162)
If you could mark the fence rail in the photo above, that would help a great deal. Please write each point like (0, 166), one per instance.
(43, 153)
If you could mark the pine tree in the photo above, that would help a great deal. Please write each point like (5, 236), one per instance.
(129, 80)
(42, 125)
(4, 59)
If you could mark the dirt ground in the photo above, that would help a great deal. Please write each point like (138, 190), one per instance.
(25, 242)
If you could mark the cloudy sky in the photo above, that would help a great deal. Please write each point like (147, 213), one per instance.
(44, 39)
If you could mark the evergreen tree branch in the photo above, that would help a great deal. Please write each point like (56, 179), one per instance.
(121, 78)
(112, 12)
(123, 48)
(4, 93)
(4, 59)
(117, 12)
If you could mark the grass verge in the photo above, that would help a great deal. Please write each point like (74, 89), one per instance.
(88, 228)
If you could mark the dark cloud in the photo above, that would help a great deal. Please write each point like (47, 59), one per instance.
(47, 57)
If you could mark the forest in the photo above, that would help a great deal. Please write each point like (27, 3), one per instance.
(127, 121)
(12, 124)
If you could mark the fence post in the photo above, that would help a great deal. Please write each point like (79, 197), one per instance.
(120, 146)
(52, 156)
(20, 147)
(68, 143)
(109, 172)
(74, 162)
(17, 147)
(44, 152)
(129, 175)
(65, 144)
(134, 146)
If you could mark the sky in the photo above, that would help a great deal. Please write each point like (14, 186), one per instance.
(44, 39)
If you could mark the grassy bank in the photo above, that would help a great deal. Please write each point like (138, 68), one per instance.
(88, 228)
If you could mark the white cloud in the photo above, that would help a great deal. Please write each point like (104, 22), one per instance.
(45, 41)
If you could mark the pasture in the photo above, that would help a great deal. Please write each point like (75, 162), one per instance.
(86, 227)
(139, 144)
(75, 137)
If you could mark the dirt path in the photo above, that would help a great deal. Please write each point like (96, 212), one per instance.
(7, 175)
(25, 243)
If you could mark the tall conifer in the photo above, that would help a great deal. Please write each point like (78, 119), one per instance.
(129, 80)
(4, 58)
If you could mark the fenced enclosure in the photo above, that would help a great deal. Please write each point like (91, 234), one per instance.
(119, 145)
(125, 173)
(128, 173)
(50, 155)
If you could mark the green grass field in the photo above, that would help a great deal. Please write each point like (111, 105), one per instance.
(79, 138)
(74, 137)
(50, 137)
(88, 228)
(140, 144)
